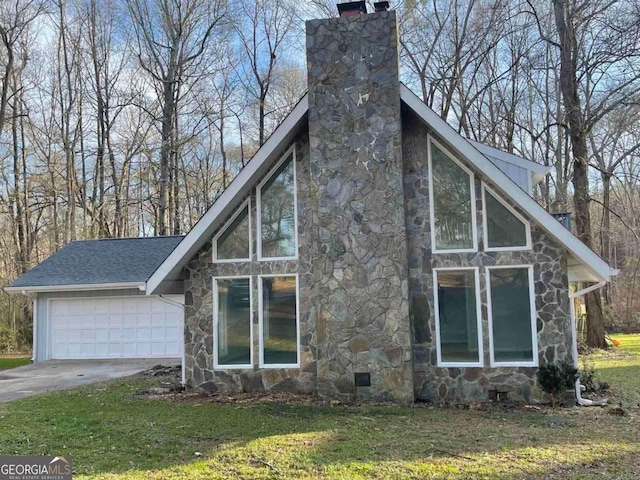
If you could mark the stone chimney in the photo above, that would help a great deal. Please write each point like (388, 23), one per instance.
(359, 262)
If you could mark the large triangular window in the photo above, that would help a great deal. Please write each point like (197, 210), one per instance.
(277, 223)
(233, 243)
(452, 198)
(505, 229)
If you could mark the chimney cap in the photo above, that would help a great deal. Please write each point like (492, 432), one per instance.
(348, 9)
(382, 6)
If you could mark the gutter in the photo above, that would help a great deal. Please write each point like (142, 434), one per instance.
(585, 402)
(73, 288)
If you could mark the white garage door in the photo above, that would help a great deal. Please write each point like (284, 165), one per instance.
(118, 327)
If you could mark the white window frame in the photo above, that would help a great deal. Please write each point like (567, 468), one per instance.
(261, 362)
(290, 151)
(474, 226)
(216, 365)
(532, 308)
(485, 231)
(436, 306)
(214, 247)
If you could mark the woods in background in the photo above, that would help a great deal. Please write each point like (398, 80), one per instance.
(129, 117)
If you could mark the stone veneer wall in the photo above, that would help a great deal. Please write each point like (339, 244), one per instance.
(199, 306)
(365, 261)
(551, 291)
(359, 260)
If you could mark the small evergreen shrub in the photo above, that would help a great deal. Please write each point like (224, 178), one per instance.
(588, 379)
(555, 378)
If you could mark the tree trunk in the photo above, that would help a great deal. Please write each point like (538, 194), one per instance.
(168, 110)
(578, 136)
(605, 249)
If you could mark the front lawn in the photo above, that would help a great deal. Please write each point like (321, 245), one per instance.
(111, 432)
(621, 368)
(7, 363)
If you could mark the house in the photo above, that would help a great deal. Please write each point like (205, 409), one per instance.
(367, 251)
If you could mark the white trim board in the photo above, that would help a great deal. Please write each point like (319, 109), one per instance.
(506, 186)
(76, 288)
(34, 336)
(227, 201)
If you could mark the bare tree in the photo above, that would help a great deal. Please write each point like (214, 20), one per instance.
(589, 94)
(262, 27)
(15, 18)
(172, 36)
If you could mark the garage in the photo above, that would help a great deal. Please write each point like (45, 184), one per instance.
(90, 301)
(116, 327)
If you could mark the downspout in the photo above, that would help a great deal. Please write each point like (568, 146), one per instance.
(578, 387)
(179, 305)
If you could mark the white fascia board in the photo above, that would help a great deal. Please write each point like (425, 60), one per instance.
(228, 200)
(465, 148)
(74, 288)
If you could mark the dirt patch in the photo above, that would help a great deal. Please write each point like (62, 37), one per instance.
(179, 395)
(163, 371)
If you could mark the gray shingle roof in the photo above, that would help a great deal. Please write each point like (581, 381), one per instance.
(86, 262)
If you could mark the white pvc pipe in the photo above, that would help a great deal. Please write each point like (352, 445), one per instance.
(574, 334)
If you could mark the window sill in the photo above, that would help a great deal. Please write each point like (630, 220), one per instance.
(232, 367)
(281, 366)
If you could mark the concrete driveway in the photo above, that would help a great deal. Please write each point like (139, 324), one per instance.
(62, 374)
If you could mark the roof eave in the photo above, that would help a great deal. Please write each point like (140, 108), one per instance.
(241, 186)
(507, 186)
(226, 202)
(74, 288)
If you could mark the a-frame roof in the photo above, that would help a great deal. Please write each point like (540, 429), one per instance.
(227, 202)
(595, 265)
(591, 266)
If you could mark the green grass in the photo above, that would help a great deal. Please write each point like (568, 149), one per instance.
(7, 363)
(113, 433)
(621, 368)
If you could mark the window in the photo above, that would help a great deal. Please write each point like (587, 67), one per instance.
(232, 322)
(504, 228)
(512, 317)
(279, 330)
(458, 318)
(233, 243)
(452, 199)
(277, 223)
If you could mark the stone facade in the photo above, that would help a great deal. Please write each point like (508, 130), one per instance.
(200, 272)
(549, 260)
(359, 257)
(365, 262)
